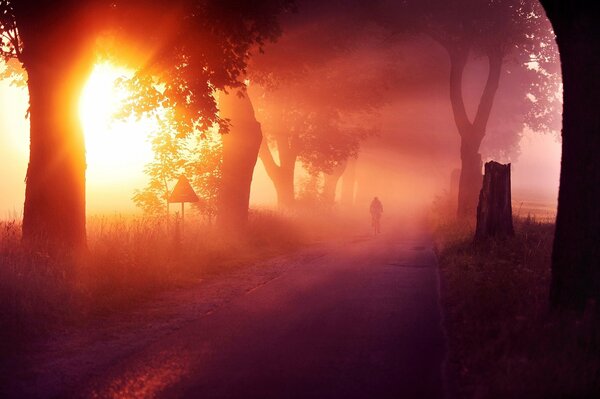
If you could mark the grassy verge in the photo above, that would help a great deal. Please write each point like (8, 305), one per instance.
(129, 261)
(503, 340)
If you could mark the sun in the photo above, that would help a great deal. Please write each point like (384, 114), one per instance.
(116, 150)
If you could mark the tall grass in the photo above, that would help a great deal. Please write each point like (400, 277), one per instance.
(129, 260)
(504, 341)
(33, 287)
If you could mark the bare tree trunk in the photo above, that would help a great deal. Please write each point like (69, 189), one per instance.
(469, 183)
(471, 133)
(240, 152)
(54, 209)
(349, 184)
(281, 175)
(284, 186)
(576, 252)
(331, 182)
(494, 212)
(452, 199)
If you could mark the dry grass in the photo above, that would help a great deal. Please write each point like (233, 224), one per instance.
(503, 340)
(129, 260)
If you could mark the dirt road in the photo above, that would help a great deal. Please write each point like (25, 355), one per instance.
(353, 319)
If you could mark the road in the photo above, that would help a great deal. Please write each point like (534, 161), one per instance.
(356, 319)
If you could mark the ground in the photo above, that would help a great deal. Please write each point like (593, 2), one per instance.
(355, 318)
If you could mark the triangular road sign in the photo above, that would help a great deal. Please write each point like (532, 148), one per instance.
(183, 191)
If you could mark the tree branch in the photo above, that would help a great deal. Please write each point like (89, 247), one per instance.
(288, 150)
(458, 60)
(489, 92)
(265, 155)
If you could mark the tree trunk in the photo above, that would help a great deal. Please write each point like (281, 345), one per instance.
(240, 152)
(54, 209)
(471, 133)
(281, 175)
(452, 199)
(576, 252)
(284, 186)
(469, 183)
(494, 212)
(331, 182)
(348, 184)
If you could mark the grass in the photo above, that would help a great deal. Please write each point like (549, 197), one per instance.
(504, 342)
(129, 261)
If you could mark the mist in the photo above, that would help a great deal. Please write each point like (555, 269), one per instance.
(299, 198)
(391, 89)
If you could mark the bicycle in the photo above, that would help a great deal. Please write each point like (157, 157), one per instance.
(376, 223)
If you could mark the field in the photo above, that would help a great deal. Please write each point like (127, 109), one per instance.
(504, 341)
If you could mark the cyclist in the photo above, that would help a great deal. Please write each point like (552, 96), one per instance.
(376, 209)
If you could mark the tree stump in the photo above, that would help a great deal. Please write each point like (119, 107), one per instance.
(494, 211)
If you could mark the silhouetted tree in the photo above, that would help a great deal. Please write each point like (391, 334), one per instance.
(576, 252)
(54, 208)
(304, 129)
(507, 33)
(240, 152)
(348, 184)
(316, 92)
(330, 182)
(193, 47)
(198, 157)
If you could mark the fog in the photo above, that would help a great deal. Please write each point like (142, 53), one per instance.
(223, 198)
(341, 86)
(396, 86)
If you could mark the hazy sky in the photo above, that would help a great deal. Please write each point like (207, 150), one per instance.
(416, 151)
(535, 174)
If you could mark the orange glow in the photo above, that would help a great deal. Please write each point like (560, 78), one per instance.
(113, 146)
(148, 378)
(116, 150)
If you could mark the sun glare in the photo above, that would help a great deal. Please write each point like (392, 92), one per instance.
(116, 150)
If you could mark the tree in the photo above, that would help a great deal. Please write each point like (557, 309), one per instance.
(197, 46)
(508, 34)
(317, 92)
(198, 157)
(54, 210)
(240, 152)
(576, 253)
(305, 128)
(331, 181)
(348, 184)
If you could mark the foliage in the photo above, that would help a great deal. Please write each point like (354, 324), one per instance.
(315, 91)
(185, 51)
(320, 136)
(317, 77)
(205, 173)
(209, 50)
(197, 156)
(515, 30)
(10, 42)
(310, 192)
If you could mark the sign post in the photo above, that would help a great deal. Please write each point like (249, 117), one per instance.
(182, 193)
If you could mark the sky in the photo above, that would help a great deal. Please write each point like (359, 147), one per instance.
(114, 172)
(409, 160)
(116, 155)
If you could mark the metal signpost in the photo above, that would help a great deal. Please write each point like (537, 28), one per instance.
(182, 193)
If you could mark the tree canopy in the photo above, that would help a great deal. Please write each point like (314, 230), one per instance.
(514, 38)
(183, 51)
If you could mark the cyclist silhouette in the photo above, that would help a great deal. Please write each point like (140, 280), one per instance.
(376, 209)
